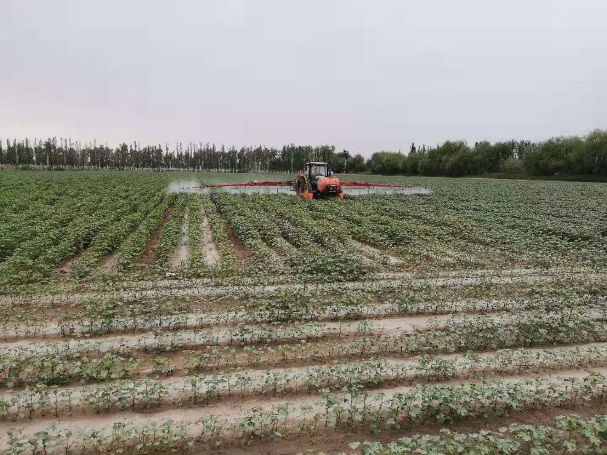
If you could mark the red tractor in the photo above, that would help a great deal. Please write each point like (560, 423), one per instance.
(317, 180)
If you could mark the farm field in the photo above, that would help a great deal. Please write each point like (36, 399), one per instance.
(138, 320)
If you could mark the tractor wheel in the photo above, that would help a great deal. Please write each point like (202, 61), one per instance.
(301, 186)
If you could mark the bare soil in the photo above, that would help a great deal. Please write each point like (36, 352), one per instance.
(240, 250)
(65, 268)
(109, 261)
(182, 252)
(370, 253)
(209, 248)
(148, 254)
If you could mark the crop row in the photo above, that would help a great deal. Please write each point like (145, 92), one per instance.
(21, 365)
(531, 222)
(66, 216)
(482, 332)
(351, 410)
(130, 252)
(247, 226)
(197, 265)
(34, 259)
(173, 341)
(569, 434)
(99, 317)
(138, 394)
(390, 223)
(169, 236)
(479, 284)
(456, 333)
(403, 297)
(325, 253)
(220, 236)
(110, 238)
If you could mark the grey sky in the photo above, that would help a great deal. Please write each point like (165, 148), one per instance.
(363, 75)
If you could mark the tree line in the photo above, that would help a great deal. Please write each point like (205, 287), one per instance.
(56, 154)
(559, 155)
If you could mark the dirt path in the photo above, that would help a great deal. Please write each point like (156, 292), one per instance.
(209, 249)
(182, 252)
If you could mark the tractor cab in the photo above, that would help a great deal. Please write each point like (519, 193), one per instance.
(317, 169)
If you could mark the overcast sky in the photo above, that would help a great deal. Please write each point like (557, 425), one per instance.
(362, 75)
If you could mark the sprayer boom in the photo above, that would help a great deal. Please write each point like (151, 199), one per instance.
(316, 181)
